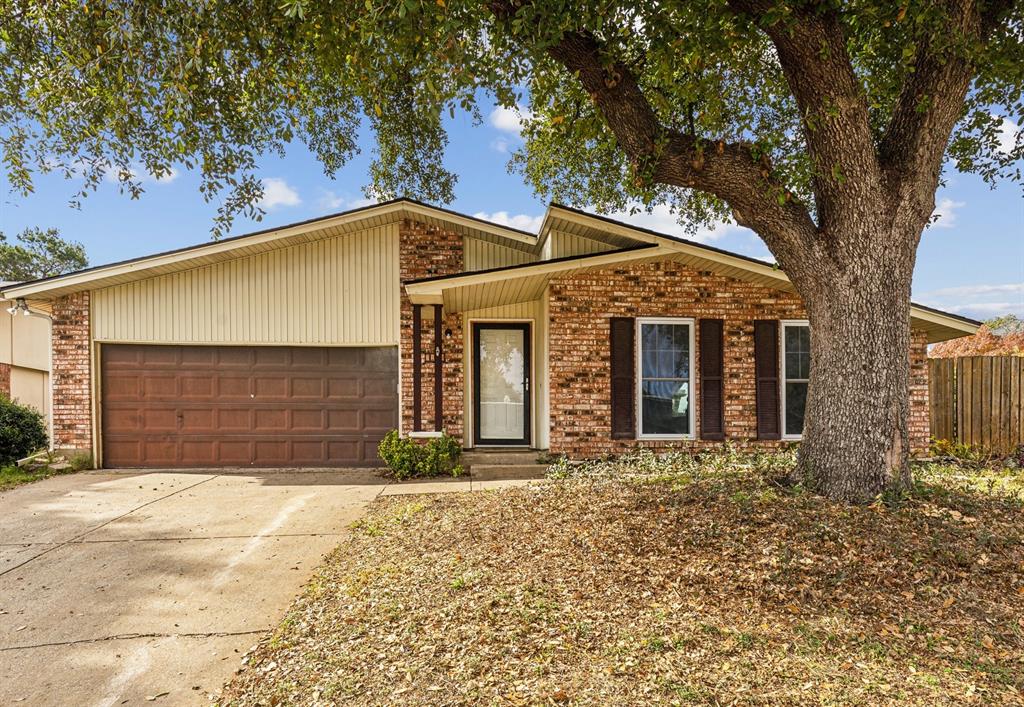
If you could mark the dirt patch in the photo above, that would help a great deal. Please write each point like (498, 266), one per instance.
(674, 588)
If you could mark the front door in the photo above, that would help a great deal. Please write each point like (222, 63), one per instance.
(501, 383)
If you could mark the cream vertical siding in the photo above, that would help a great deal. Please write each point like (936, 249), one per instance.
(24, 341)
(31, 387)
(535, 313)
(484, 255)
(341, 291)
(565, 244)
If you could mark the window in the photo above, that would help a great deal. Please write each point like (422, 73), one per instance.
(796, 370)
(666, 369)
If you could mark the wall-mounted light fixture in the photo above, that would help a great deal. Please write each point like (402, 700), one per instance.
(447, 333)
(19, 306)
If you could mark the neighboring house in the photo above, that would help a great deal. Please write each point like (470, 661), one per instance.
(303, 345)
(24, 357)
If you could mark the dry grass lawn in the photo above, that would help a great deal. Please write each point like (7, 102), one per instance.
(685, 583)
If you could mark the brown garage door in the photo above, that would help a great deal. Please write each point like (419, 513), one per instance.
(246, 405)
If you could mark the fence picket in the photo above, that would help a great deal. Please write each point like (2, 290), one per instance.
(978, 400)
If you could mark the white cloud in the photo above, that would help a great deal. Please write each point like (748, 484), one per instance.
(945, 213)
(509, 120)
(277, 192)
(523, 222)
(663, 220)
(979, 301)
(330, 201)
(500, 145)
(1007, 135)
(985, 309)
(978, 290)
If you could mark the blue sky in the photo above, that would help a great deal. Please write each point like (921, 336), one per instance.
(970, 262)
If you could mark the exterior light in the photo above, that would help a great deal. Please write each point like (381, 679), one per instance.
(19, 306)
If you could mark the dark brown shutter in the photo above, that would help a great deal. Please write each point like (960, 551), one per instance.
(712, 394)
(623, 364)
(766, 373)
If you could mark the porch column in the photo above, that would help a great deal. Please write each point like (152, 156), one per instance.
(438, 373)
(417, 367)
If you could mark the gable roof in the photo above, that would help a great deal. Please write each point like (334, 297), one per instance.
(269, 239)
(471, 290)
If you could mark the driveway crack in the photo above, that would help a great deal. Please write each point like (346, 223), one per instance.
(136, 636)
(106, 523)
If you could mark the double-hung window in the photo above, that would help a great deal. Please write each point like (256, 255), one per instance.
(664, 386)
(796, 371)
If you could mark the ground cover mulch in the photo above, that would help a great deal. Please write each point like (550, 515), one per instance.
(700, 586)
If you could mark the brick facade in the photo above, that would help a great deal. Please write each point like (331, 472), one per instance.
(427, 251)
(919, 420)
(580, 307)
(71, 375)
(5, 379)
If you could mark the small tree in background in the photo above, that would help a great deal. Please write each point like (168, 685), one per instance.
(39, 253)
(1000, 336)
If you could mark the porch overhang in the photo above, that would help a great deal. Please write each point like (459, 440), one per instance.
(521, 283)
(525, 283)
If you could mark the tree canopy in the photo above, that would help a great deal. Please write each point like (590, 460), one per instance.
(88, 88)
(823, 125)
(38, 254)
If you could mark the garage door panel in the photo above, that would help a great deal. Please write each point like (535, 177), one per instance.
(162, 385)
(197, 386)
(159, 453)
(308, 388)
(160, 420)
(233, 419)
(246, 406)
(308, 421)
(378, 420)
(342, 388)
(234, 452)
(233, 387)
(161, 355)
(197, 420)
(271, 387)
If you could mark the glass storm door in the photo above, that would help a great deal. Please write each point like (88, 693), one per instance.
(501, 390)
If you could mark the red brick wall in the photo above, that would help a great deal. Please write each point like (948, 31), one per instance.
(426, 251)
(5, 379)
(919, 421)
(72, 374)
(580, 307)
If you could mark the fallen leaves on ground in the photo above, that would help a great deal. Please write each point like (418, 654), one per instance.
(711, 589)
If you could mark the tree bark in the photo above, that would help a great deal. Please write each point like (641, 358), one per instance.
(855, 440)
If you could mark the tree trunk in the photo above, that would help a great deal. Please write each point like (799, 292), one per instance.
(855, 441)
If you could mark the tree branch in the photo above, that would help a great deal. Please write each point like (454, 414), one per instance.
(930, 104)
(726, 170)
(812, 52)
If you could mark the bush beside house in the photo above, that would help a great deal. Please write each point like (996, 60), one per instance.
(22, 431)
(407, 458)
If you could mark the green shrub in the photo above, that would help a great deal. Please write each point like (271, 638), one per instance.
(22, 431)
(407, 458)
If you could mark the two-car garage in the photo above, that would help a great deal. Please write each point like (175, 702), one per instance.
(209, 406)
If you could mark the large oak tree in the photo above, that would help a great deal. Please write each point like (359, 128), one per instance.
(823, 126)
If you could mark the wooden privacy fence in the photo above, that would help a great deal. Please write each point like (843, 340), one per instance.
(978, 400)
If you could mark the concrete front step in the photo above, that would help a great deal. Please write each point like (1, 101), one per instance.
(492, 472)
(511, 457)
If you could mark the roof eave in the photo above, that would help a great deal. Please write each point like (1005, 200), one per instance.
(398, 208)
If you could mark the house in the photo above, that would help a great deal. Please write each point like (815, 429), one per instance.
(303, 345)
(24, 356)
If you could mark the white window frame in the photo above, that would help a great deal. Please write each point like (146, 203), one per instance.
(638, 363)
(782, 373)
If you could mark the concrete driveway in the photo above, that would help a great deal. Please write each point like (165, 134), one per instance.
(115, 588)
